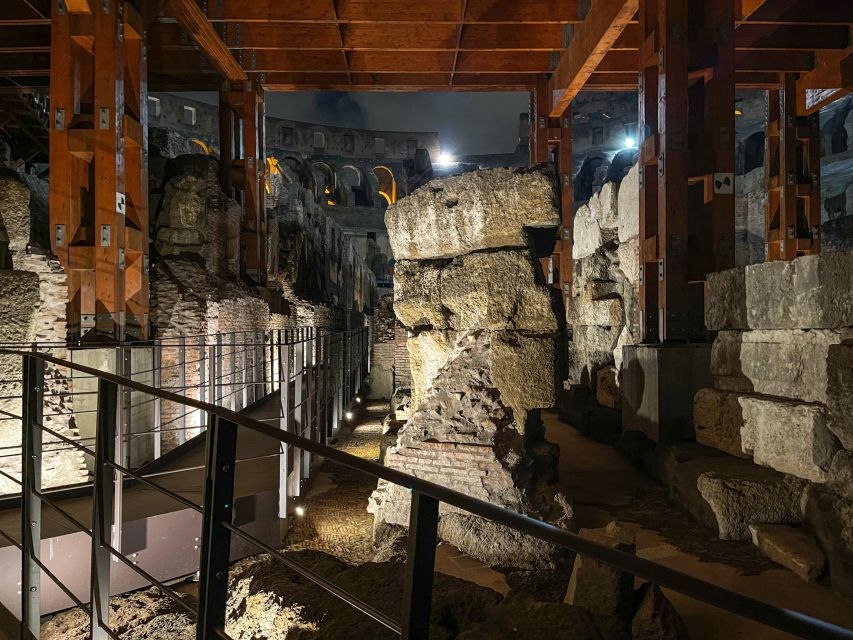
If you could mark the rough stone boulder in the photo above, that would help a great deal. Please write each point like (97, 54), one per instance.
(601, 589)
(791, 437)
(628, 205)
(655, 618)
(811, 292)
(727, 494)
(829, 516)
(479, 210)
(495, 290)
(14, 211)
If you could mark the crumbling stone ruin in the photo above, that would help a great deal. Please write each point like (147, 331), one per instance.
(482, 351)
(602, 310)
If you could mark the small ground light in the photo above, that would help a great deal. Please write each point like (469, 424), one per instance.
(358, 399)
(348, 415)
(300, 511)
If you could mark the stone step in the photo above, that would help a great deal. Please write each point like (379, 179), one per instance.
(725, 493)
(791, 547)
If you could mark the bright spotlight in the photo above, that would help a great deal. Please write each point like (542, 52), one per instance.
(358, 399)
(348, 415)
(300, 511)
(630, 143)
(446, 158)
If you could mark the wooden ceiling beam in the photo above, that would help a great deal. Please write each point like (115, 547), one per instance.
(748, 7)
(792, 37)
(825, 83)
(590, 43)
(798, 12)
(188, 13)
(399, 11)
(794, 61)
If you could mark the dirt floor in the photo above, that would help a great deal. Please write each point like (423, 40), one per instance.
(603, 487)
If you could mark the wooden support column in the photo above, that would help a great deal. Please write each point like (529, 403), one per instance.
(98, 157)
(109, 170)
(792, 176)
(648, 176)
(243, 168)
(719, 119)
(565, 168)
(539, 122)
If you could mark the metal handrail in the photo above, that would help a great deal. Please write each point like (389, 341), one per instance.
(745, 606)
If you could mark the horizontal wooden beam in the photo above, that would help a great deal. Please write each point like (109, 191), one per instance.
(590, 42)
(398, 11)
(202, 32)
(800, 12)
(791, 37)
(758, 60)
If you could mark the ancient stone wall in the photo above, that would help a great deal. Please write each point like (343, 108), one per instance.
(33, 294)
(782, 366)
(482, 349)
(602, 311)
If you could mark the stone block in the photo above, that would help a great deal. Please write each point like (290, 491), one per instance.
(497, 291)
(628, 254)
(607, 392)
(523, 368)
(600, 588)
(487, 209)
(829, 516)
(604, 207)
(790, 437)
(727, 494)
(629, 205)
(605, 312)
(655, 618)
(586, 233)
(429, 352)
(659, 383)
(791, 547)
(718, 421)
(811, 292)
(417, 294)
(15, 211)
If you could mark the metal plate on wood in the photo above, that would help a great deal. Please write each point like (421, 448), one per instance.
(105, 235)
(724, 183)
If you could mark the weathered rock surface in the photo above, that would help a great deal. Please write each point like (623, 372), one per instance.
(790, 437)
(479, 210)
(727, 494)
(518, 617)
(791, 547)
(483, 290)
(628, 203)
(14, 212)
(600, 588)
(607, 392)
(811, 292)
(655, 617)
(829, 516)
(795, 364)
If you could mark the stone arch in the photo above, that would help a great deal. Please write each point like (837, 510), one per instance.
(326, 181)
(387, 183)
(588, 176)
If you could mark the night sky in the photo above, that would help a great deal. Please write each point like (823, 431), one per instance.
(468, 123)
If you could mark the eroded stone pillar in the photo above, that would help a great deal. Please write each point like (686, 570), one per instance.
(482, 345)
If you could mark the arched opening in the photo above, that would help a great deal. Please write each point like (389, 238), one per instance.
(198, 146)
(387, 183)
(327, 183)
(351, 180)
(587, 177)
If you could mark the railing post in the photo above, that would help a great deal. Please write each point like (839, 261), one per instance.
(212, 364)
(420, 567)
(248, 368)
(158, 402)
(104, 513)
(232, 379)
(202, 380)
(182, 383)
(266, 376)
(218, 381)
(215, 537)
(31, 450)
(319, 404)
(125, 442)
(308, 413)
(298, 423)
(286, 408)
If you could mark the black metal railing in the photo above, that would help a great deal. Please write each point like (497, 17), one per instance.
(219, 528)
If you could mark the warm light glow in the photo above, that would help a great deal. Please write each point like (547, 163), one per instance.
(630, 143)
(300, 511)
(358, 399)
(348, 415)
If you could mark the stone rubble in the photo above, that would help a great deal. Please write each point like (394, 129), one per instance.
(791, 547)
(482, 348)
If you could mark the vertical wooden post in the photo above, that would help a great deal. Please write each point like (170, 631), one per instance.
(648, 170)
(109, 169)
(788, 170)
(540, 123)
(773, 181)
(719, 118)
(566, 172)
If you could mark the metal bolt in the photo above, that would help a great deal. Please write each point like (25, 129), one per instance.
(34, 589)
(226, 468)
(33, 523)
(219, 575)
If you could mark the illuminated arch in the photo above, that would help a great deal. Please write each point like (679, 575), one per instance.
(387, 183)
(204, 148)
